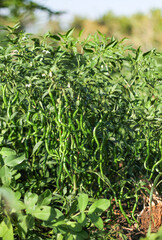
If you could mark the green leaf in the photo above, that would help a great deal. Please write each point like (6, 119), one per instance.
(42, 212)
(73, 208)
(1, 139)
(17, 26)
(76, 227)
(6, 230)
(99, 206)
(17, 176)
(81, 235)
(139, 54)
(20, 205)
(17, 195)
(45, 198)
(14, 160)
(5, 175)
(81, 32)
(25, 223)
(7, 152)
(111, 44)
(82, 219)
(59, 223)
(88, 50)
(56, 37)
(69, 32)
(60, 236)
(101, 34)
(37, 145)
(30, 201)
(96, 220)
(147, 53)
(70, 237)
(36, 42)
(46, 213)
(82, 201)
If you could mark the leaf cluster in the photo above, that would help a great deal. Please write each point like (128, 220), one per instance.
(80, 122)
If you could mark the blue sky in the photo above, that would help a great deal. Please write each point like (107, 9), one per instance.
(94, 9)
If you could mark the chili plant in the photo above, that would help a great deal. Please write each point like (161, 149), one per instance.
(86, 114)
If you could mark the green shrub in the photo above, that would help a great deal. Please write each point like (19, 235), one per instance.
(76, 117)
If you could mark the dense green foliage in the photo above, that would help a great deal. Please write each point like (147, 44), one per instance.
(79, 121)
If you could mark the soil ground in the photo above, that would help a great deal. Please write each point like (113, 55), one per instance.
(143, 213)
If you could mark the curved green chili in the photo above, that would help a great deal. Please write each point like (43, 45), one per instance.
(95, 137)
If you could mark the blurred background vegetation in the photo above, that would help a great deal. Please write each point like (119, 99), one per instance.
(141, 29)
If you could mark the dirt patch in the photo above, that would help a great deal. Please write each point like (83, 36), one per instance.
(121, 227)
(144, 215)
(151, 215)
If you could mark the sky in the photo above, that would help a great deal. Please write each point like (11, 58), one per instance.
(94, 9)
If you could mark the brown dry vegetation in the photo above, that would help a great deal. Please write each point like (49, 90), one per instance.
(141, 30)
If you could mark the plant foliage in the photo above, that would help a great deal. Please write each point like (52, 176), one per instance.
(80, 124)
